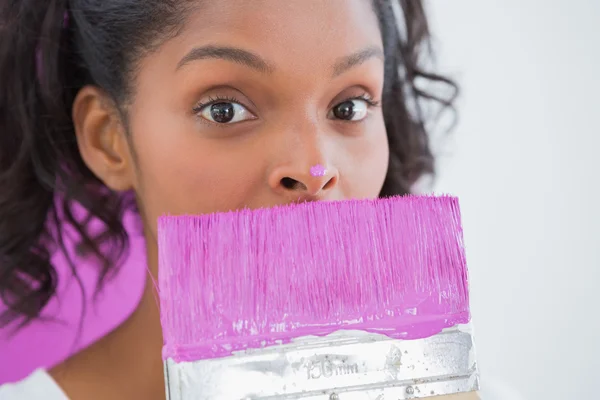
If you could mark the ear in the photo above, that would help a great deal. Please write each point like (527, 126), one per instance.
(102, 140)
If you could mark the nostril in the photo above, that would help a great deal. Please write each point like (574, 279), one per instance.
(292, 184)
(330, 183)
(288, 183)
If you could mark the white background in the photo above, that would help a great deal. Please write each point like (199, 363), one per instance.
(525, 162)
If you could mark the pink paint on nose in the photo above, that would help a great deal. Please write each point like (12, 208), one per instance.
(318, 170)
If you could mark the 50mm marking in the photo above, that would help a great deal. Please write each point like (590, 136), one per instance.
(327, 369)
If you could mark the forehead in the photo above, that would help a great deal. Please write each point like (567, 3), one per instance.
(315, 31)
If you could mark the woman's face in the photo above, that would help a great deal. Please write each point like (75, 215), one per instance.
(235, 110)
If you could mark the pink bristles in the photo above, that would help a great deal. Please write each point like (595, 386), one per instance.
(246, 279)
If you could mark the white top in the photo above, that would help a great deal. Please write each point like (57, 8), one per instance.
(37, 386)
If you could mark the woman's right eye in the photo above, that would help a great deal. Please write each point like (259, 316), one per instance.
(225, 112)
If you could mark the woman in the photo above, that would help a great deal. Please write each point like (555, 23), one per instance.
(193, 107)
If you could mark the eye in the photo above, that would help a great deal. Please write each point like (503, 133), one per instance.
(225, 112)
(351, 110)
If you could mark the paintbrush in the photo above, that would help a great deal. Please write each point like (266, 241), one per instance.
(357, 299)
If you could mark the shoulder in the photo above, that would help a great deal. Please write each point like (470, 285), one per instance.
(37, 386)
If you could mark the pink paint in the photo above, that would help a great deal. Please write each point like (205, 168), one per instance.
(318, 170)
(246, 279)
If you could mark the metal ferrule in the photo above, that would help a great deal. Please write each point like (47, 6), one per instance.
(347, 365)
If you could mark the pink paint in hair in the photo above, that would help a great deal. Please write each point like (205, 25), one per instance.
(254, 278)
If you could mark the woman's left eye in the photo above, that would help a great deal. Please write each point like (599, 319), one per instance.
(225, 112)
(350, 110)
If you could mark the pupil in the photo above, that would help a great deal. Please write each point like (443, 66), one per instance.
(222, 112)
(344, 110)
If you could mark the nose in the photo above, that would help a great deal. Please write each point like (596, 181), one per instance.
(304, 182)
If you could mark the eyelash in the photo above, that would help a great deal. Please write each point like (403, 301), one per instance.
(214, 100)
(366, 97)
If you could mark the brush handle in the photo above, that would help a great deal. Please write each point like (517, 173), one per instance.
(348, 365)
(460, 396)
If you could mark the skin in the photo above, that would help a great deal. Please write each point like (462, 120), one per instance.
(178, 162)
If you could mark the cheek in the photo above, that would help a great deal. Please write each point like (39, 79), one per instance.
(365, 166)
(183, 173)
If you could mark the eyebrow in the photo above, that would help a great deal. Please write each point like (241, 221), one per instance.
(254, 61)
(232, 54)
(348, 62)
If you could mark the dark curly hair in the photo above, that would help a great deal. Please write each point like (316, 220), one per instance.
(50, 49)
